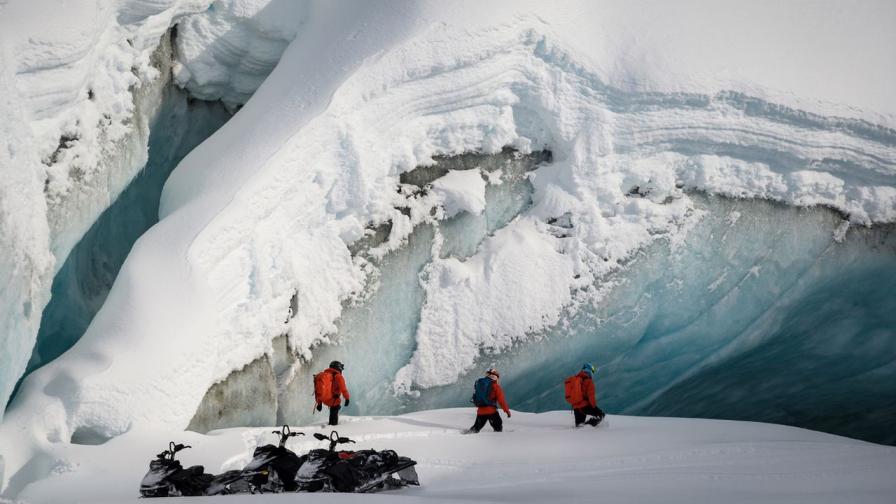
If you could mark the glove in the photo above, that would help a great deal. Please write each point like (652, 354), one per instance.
(319, 406)
(346, 402)
(508, 413)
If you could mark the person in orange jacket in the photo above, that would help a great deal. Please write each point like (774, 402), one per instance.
(487, 396)
(588, 404)
(337, 389)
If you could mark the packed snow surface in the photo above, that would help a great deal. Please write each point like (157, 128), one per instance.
(787, 102)
(539, 458)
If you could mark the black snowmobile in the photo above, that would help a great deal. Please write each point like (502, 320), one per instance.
(167, 478)
(353, 471)
(272, 469)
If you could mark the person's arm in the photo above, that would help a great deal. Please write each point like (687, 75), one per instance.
(499, 395)
(590, 393)
(342, 388)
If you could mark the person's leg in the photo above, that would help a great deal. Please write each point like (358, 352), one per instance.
(594, 411)
(479, 423)
(334, 415)
(579, 416)
(495, 420)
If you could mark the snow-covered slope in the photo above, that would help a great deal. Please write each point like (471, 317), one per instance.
(638, 106)
(541, 458)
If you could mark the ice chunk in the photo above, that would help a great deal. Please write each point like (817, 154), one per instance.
(461, 191)
(226, 52)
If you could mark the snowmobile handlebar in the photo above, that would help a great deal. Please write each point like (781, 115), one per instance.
(172, 449)
(285, 433)
(333, 438)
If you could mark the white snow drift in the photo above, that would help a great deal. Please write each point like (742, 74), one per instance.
(738, 99)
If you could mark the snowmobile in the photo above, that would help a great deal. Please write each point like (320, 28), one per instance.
(167, 478)
(328, 470)
(272, 469)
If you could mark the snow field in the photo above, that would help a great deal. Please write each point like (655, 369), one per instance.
(541, 458)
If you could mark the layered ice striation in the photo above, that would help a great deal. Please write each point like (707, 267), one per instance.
(759, 312)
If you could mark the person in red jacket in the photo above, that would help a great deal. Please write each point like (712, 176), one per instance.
(588, 404)
(486, 406)
(335, 390)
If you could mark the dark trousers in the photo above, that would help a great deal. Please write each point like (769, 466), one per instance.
(334, 415)
(580, 414)
(494, 419)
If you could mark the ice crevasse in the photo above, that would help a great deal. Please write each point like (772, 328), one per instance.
(269, 228)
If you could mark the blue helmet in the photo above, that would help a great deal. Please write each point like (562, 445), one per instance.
(589, 368)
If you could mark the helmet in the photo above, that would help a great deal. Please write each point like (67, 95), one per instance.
(492, 371)
(589, 368)
(337, 365)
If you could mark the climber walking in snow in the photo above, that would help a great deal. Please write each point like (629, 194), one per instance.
(579, 390)
(487, 396)
(329, 388)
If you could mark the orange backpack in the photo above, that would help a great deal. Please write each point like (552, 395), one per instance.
(324, 387)
(573, 386)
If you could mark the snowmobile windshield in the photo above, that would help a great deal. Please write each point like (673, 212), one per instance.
(263, 456)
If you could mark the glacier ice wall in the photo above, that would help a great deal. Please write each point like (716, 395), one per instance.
(759, 312)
